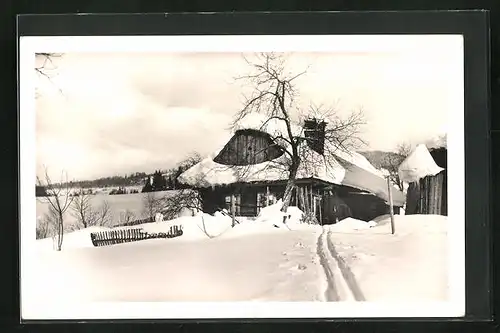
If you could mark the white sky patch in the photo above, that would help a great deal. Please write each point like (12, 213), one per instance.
(401, 85)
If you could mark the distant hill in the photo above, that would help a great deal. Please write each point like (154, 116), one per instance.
(379, 158)
(133, 179)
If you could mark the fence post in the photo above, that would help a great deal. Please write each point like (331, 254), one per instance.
(391, 209)
(233, 210)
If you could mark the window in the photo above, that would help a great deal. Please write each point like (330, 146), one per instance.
(237, 203)
(262, 200)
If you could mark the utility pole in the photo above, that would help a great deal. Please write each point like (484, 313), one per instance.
(268, 195)
(233, 210)
(391, 209)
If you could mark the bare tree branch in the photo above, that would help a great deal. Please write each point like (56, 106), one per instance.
(45, 66)
(86, 214)
(59, 198)
(274, 96)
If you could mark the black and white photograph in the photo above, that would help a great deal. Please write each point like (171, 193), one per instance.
(242, 176)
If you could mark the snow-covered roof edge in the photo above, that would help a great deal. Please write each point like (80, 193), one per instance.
(418, 165)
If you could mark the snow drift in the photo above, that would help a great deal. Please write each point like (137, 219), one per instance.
(350, 224)
(410, 265)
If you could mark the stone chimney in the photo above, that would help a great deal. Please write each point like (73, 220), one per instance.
(314, 132)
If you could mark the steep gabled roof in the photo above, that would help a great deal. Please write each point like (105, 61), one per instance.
(341, 168)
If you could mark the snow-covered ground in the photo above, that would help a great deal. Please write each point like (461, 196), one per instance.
(410, 265)
(210, 261)
(260, 260)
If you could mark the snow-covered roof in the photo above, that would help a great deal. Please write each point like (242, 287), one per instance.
(418, 164)
(341, 168)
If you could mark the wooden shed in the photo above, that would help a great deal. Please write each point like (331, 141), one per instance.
(429, 194)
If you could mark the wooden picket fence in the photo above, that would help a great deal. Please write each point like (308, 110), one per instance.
(112, 237)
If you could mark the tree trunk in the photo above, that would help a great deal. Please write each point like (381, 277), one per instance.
(297, 196)
(302, 199)
(60, 232)
(288, 194)
(289, 189)
(84, 222)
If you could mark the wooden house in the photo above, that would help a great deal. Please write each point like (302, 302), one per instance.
(249, 173)
(426, 171)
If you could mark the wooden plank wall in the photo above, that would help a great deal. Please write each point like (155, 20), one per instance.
(248, 147)
(431, 194)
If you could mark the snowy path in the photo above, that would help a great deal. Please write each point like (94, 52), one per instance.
(330, 294)
(346, 272)
(341, 284)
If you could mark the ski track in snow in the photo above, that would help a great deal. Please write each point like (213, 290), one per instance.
(330, 294)
(346, 271)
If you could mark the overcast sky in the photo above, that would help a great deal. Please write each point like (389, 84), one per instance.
(126, 112)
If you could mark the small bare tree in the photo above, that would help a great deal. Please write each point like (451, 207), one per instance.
(152, 204)
(45, 225)
(392, 161)
(275, 96)
(175, 203)
(126, 217)
(173, 173)
(86, 214)
(58, 196)
(82, 208)
(103, 215)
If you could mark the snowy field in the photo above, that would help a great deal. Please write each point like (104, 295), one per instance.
(119, 205)
(261, 260)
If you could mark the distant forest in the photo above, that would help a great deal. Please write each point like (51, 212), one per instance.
(133, 179)
(158, 181)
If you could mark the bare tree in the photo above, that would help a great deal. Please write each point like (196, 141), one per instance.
(45, 66)
(392, 161)
(438, 142)
(190, 160)
(45, 63)
(82, 208)
(59, 198)
(46, 224)
(103, 215)
(173, 173)
(152, 204)
(126, 217)
(404, 149)
(274, 95)
(86, 214)
(176, 202)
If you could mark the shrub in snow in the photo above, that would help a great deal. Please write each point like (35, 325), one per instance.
(273, 214)
(42, 227)
(158, 217)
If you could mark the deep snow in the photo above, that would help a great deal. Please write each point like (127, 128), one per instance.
(254, 261)
(411, 265)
